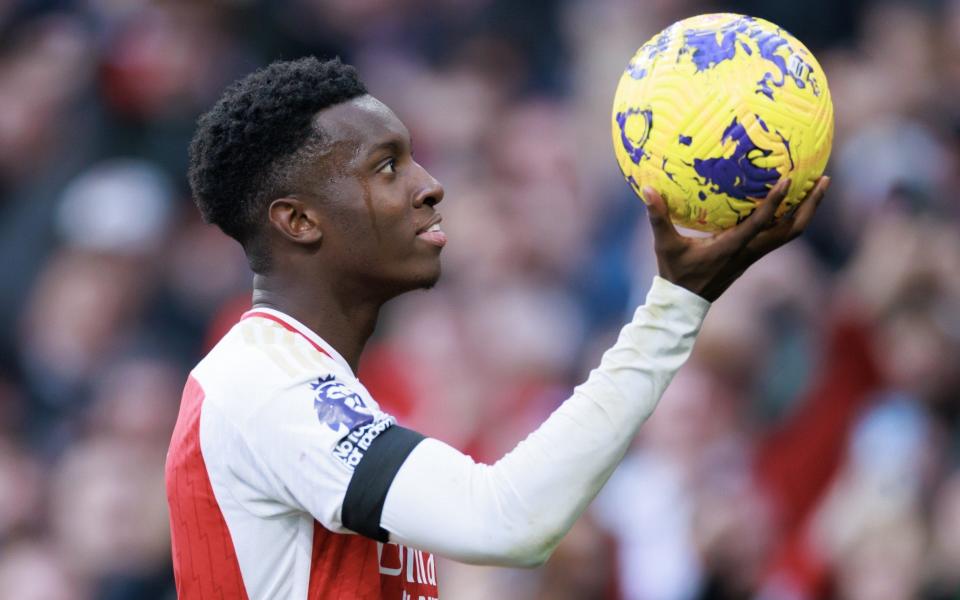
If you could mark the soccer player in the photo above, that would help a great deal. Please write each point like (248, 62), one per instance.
(284, 477)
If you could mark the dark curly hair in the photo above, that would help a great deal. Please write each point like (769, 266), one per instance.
(247, 147)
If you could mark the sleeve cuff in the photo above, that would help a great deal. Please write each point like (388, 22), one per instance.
(670, 296)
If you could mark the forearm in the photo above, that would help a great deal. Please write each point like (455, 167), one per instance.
(516, 511)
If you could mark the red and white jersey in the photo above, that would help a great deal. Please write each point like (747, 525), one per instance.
(278, 459)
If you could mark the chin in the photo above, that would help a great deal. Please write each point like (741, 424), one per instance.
(429, 280)
(423, 278)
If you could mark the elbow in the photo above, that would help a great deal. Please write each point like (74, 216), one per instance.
(528, 551)
(506, 548)
(517, 558)
(527, 536)
(533, 560)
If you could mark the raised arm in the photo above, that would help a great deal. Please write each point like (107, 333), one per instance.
(515, 511)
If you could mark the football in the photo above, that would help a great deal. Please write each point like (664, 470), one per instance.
(714, 110)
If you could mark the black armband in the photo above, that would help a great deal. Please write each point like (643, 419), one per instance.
(372, 478)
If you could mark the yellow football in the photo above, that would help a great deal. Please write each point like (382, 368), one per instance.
(714, 110)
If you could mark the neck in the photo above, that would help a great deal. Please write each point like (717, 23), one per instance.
(335, 315)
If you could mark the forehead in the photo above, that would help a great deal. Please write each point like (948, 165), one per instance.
(360, 124)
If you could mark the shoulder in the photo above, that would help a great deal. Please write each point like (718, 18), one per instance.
(272, 350)
(272, 383)
(257, 365)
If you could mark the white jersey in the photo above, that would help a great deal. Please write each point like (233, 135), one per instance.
(280, 455)
(264, 481)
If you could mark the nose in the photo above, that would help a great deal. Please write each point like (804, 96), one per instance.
(431, 192)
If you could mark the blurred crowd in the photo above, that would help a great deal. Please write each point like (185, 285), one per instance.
(809, 449)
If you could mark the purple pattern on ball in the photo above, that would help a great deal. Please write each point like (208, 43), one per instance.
(707, 52)
(650, 51)
(635, 149)
(738, 176)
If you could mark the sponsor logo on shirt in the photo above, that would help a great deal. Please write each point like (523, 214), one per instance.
(413, 571)
(344, 412)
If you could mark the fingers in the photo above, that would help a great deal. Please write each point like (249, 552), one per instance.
(762, 216)
(809, 206)
(791, 227)
(663, 230)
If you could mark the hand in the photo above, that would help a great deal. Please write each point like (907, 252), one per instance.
(707, 266)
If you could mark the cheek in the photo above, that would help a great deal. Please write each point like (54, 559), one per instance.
(374, 223)
(390, 218)
(354, 223)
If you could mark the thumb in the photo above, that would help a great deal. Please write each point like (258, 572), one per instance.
(659, 214)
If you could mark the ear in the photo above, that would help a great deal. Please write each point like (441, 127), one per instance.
(295, 220)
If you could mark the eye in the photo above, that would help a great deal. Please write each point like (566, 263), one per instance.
(390, 166)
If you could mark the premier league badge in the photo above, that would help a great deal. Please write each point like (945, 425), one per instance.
(338, 406)
(355, 424)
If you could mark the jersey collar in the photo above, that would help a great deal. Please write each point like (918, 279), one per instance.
(291, 324)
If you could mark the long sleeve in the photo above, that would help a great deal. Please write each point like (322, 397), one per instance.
(515, 511)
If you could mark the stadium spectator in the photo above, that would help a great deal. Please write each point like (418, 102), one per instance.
(770, 467)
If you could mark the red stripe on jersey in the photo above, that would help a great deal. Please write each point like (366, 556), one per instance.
(205, 562)
(352, 567)
(343, 567)
(284, 324)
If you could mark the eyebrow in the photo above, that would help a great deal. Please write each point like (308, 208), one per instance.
(394, 143)
(391, 144)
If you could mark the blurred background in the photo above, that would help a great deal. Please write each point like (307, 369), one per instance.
(809, 449)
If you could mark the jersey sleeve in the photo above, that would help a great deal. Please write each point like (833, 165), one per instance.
(515, 512)
(313, 442)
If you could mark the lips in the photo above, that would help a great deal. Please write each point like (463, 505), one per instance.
(431, 232)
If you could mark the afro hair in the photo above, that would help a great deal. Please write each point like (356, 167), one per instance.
(248, 144)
